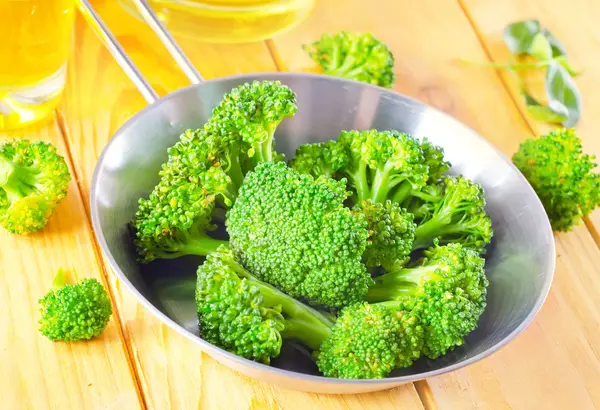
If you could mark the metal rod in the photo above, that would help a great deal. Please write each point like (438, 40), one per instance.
(169, 42)
(117, 51)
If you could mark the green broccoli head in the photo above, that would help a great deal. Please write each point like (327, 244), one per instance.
(382, 162)
(71, 312)
(293, 231)
(368, 341)
(457, 215)
(321, 159)
(176, 218)
(391, 234)
(561, 175)
(34, 179)
(248, 317)
(354, 56)
(250, 114)
(445, 292)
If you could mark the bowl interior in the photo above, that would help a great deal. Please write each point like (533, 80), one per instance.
(520, 260)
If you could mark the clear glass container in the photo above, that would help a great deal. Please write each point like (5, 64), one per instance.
(229, 21)
(36, 43)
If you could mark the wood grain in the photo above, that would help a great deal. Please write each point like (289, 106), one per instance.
(555, 363)
(173, 373)
(36, 373)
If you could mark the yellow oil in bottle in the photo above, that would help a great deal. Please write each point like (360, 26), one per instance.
(34, 48)
(231, 21)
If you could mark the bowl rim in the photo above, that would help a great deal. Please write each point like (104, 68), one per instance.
(275, 371)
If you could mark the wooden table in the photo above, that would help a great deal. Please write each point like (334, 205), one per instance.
(140, 363)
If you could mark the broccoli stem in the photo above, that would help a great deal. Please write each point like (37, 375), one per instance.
(400, 283)
(17, 180)
(402, 193)
(426, 232)
(202, 246)
(59, 280)
(361, 182)
(302, 323)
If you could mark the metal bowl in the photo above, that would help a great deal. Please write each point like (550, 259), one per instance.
(520, 263)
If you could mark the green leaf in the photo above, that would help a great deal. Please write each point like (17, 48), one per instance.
(540, 48)
(542, 113)
(562, 93)
(559, 52)
(528, 37)
(519, 36)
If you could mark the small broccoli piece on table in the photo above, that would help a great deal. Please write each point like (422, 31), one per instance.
(368, 341)
(445, 293)
(34, 179)
(562, 176)
(248, 317)
(72, 312)
(248, 116)
(293, 231)
(455, 212)
(391, 233)
(354, 56)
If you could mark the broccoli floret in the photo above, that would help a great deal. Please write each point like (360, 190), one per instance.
(321, 159)
(355, 56)
(34, 179)
(248, 116)
(205, 169)
(562, 176)
(382, 162)
(368, 341)
(391, 234)
(71, 312)
(454, 212)
(175, 220)
(293, 231)
(248, 317)
(445, 292)
(437, 165)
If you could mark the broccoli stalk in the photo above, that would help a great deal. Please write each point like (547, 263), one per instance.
(445, 292)
(244, 315)
(457, 215)
(34, 179)
(71, 312)
(380, 162)
(251, 318)
(294, 232)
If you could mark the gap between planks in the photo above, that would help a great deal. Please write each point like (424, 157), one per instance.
(508, 86)
(100, 261)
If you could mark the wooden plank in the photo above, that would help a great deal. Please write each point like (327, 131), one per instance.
(36, 373)
(575, 25)
(554, 364)
(172, 371)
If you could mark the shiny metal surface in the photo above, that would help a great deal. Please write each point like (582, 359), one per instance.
(165, 37)
(116, 50)
(521, 258)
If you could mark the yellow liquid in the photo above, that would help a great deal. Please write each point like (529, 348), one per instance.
(35, 45)
(231, 21)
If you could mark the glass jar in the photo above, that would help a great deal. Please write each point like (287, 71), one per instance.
(229, 21)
